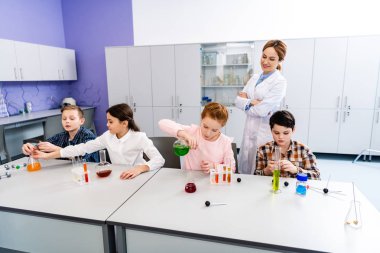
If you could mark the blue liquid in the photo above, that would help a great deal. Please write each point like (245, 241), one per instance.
(301, 190)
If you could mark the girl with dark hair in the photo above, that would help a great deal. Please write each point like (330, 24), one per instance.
(259, 99)
(123, 141)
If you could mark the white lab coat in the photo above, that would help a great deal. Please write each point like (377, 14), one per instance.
(257, 131)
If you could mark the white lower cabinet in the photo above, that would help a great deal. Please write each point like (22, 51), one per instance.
(143, 117)
(235, 125)
(375, 141)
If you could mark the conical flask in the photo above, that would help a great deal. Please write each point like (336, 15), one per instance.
(33, 164)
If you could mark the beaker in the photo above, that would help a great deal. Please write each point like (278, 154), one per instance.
(180, 147)
(33, 164)
(103, 169)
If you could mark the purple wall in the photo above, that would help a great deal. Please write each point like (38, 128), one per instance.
(90, 26)
(37, 21)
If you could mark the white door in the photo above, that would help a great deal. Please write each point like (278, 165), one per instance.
(117, 75)
(140, 78)
(235, 125)
(159, 113)
(28, 61)
(68, 64)
(50, 67)
(375, 140)
(163, 75)
(297, 68)
(188, 74)
(8, 63)
(301, 133)
(143, 117)
(324, 130)
(361, 74)
(188, 115)
(328, 73)
(355, 131)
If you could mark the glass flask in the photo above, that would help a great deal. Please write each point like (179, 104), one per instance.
(33, 164)
(103, 169)
(190, 186)
(180, 148)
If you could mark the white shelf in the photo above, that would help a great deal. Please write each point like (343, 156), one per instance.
(223, 86)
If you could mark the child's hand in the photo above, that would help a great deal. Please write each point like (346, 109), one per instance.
(286, 165)
(135, 171)
(37, 154)
(28, 148)
(205, 166)
(270, 168)
(47, 147)
(191, 141)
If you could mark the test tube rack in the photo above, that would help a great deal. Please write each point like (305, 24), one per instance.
(222, 174)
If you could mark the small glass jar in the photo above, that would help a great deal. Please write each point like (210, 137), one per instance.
(301, 186)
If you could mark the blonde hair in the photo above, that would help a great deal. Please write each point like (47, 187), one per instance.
(74, 108)
(216, 111)
(279, 47)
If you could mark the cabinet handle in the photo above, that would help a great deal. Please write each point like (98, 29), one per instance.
(177, 102)
(131, 100)
(172, 113)
(287, 106)
(336, 116)
(134, 109)
(59, 75)
(172, 100)
(21, 75)
(378, 104)
(14, 69)
(344, 116)
(63, 75)
(345, 101)
(337, 101)
(349, 107)
(378, 116)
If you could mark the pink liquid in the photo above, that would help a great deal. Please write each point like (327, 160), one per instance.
(190, 188)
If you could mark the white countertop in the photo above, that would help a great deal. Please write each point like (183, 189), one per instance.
(254, 215)
(51, 191)
(32, 116)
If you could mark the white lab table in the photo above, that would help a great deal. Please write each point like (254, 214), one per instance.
(162, 217)
(46, 211)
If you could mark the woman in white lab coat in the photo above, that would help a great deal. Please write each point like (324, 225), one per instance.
(260, 98)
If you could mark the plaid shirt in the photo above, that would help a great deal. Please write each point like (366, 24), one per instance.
(83, 135)
(298, 154)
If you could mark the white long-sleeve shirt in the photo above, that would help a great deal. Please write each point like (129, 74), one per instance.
(126, 150)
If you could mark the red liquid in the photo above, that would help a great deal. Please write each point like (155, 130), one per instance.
(103, 173)
(216, 178)
(190, 188)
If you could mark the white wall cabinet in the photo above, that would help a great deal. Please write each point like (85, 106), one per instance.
(57, 63)
(21, 61)
(143, 116)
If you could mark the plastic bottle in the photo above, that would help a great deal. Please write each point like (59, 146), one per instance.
(301, 186)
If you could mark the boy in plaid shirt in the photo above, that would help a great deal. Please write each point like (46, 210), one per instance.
(75, 133)
(295, 156)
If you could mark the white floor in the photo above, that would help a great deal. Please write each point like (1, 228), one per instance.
(365, 175)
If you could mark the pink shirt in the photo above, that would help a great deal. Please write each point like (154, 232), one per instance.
(218, 151)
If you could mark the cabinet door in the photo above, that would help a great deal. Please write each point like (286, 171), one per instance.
(188, 75)
(50, 68)
(159, 113)
(28, 61)
(258, 51)
(355, 134)
(140, 78)
(328, 73)
(361, 74)
(8, 63)
(117, 75)
(163, 75)
(68, 64)
(302, 125)
(188, 115)
(324, 130)
(297, 69)
(143, 116)
(235, 125)
(375, 142)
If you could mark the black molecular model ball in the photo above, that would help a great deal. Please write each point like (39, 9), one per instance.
(238, 179)
(286, 183)
(325, 190)
(207, 203)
